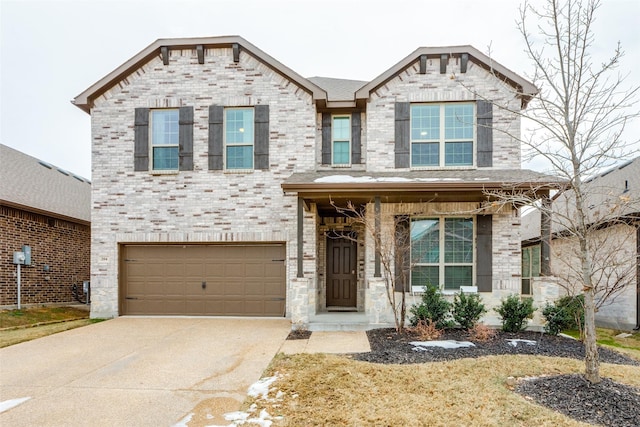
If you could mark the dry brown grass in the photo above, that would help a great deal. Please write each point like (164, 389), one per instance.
(15, 336)
(331, 390)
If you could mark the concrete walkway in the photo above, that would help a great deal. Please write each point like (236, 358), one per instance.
(137, 371)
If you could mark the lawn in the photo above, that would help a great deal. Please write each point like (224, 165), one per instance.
(17, 326)
(320, 389)
(610, 338)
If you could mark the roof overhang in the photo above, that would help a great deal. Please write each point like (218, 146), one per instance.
(525, 89)
(43, 212)
(84, 101)
(417, 186)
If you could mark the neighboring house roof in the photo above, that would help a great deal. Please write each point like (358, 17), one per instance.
(611, 194)
(338, 89)
(326, 92)
(37, 186)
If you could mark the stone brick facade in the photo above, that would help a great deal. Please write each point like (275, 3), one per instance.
(209, 206)
(61, 245)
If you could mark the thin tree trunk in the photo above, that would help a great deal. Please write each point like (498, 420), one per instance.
(591, 359)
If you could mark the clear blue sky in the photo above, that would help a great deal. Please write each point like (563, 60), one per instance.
(53, 50)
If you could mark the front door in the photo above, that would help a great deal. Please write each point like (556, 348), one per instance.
(341, 272)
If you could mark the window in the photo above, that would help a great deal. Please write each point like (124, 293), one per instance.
(530, 267)
(341, 140)
(442, 252)
(238, 134)
(164, 139)
(442, 134)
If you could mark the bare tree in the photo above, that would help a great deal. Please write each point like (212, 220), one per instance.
(578, 121)
(393, 247)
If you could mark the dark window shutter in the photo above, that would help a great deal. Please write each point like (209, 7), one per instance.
(402, 149)
(484, 133)
(261, 137)
(326, 138)
(185, 138)
(141, 140)
(356, 145)
(484, 251)
(402, 255)
(216, 116)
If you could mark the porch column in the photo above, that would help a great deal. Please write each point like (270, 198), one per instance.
(377, 272)
(545, 236)
(300, 237)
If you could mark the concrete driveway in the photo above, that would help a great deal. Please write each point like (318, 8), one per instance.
(138, 371)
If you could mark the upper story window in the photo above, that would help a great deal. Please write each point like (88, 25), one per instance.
(442, 252)
(164, 139)
(442, 134)
(239, 138)
(341, 140)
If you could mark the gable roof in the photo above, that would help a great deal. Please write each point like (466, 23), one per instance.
(326, 92)
(37, 186)
(525, 88)
(85, 99)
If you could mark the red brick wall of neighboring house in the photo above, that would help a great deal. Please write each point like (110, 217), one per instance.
(62, 245)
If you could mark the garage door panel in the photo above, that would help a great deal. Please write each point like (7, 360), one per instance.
(241, 280)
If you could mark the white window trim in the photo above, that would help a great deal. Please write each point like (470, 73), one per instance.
(151, 146)
(333, 140)
(441, 139)
(441, 264)
(224, 142)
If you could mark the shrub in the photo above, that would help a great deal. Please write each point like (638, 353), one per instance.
(433, 307)
(427, 330)
(565, 313)
(481, 332)
(514, 313)
(467, 309)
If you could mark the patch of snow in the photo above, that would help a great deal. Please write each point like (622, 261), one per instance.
(12, 403)
(514, 342)
(623, 335)
(344, 179)
(239, 418)
(448, 344)
(236, 416)
(261, 387)
(481, 179)
(566, 336)
(394, 179)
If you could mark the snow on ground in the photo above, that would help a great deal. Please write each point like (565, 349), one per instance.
(8, 404)
(449, 344)
(514, 342)
(261, 388)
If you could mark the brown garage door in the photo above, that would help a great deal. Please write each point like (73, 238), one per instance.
(220, 280)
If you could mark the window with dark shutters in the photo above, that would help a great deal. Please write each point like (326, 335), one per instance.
(484, 269)
(484, 133)
(326, 138)
(141, 140)
(402, 132)
(216, 139)
(356, 144)
(186, 138)
(261, 138)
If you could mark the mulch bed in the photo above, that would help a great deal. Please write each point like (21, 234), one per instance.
(607, 403)
(299, 334)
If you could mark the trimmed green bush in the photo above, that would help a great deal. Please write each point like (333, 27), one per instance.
(467, 309)
(565, 313)
(514, 313)
(434, 307)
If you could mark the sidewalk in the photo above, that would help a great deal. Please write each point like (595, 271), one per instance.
(329, 342)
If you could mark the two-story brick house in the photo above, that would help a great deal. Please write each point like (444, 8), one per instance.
(215, 166)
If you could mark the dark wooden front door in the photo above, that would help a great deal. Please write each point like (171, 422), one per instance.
(341, 272)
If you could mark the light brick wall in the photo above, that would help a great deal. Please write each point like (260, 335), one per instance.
(614, 252)
(199, 205)
(409, 86)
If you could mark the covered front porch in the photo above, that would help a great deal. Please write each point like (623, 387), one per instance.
(342, 280)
